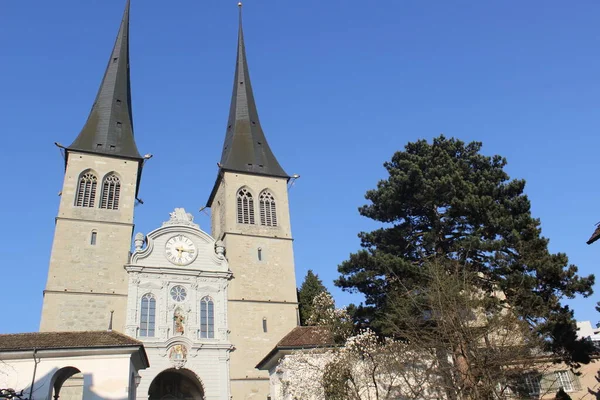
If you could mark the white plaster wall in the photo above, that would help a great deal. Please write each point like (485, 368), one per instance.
(210, 365)
(151, 272)
(105, 376)
(208, 275)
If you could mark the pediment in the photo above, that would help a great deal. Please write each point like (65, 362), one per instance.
(209, 254)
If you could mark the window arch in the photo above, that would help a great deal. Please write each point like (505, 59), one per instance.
(207, 318)
(111, 191)
(148, 315)
(268, 210)
(86, 189)
(245, 207)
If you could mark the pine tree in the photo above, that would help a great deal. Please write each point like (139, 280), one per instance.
(446, 200)
(311, 287)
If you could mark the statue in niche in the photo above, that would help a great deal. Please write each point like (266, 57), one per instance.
(179, 320)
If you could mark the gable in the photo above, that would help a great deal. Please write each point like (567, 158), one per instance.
(200, 252)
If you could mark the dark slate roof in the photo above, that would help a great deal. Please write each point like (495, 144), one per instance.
(246, 148)
(65, 340)
(109, 127)
(301, 337)
(595, 236)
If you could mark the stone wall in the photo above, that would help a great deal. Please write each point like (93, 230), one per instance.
(263, 289)
(78, 266)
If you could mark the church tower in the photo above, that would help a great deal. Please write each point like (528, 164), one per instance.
(250, 215)
(92, 239)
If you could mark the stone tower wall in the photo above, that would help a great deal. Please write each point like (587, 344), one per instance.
(263, 287)
(86, 281)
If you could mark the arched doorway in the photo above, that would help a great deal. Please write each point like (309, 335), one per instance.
(67, 384)
(181, 384)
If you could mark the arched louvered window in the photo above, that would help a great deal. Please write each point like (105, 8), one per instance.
(245, 207)
(86, 190)
(148, 315)
(207, 318)
(268, 211)
(111, 191)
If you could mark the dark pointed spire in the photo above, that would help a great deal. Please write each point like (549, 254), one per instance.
(246, 148)
(109, 127)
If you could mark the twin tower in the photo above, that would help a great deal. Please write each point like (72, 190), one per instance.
(94, 227)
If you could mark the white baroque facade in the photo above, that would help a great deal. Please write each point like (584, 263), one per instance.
(177, 306)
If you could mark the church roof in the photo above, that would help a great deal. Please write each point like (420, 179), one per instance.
(65, 340)
(246, 148)
(299, 338)
(109, 127)
(307, 336)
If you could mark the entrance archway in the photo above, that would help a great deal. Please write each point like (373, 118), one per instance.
(67, 384)
(180, 384)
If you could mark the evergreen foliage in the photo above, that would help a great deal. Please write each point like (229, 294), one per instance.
(447, 200)
(311, 287)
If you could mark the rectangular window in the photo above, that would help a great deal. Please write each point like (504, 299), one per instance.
(203, 315)
(93, 239)
(563, 380)
(148, 316)
(532, 383)
(211, 320)
(207, 318)
(265, 325)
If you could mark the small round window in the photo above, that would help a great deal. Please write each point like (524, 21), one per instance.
(178, 293)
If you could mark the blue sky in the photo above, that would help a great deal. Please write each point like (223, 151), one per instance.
(340, 85)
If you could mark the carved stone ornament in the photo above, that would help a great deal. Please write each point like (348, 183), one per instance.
(180, 217)
(135, 278)
(139, 241)
(220, 249)
(178, 356)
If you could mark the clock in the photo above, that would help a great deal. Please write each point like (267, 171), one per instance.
(180, 250)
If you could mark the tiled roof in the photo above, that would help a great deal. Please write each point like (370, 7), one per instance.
(65, 340)
(307, 336)
(301, 337)
(595, 235)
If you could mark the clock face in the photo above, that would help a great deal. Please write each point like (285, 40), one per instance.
(180, 250)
